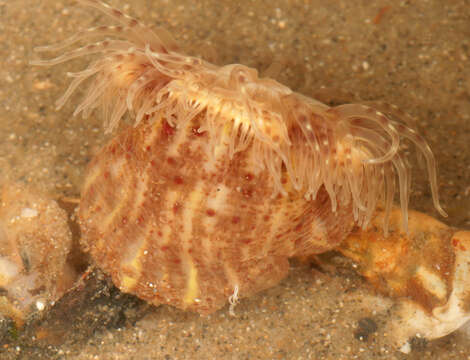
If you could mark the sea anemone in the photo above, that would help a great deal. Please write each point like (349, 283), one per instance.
(160, 208)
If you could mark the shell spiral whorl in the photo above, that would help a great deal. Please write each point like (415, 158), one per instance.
(224, 175)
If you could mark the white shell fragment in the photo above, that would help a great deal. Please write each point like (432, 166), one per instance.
(34, 243)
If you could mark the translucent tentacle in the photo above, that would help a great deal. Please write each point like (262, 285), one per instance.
(142, 32)
(117, 45)
(430, 162)
(361, 111)
(84, 34)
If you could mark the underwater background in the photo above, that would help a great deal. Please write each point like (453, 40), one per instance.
(414, 54)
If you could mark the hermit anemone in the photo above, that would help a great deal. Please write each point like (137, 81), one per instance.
(219, 175)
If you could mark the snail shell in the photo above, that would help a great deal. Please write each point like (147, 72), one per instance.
(176, 225)
(224, 175)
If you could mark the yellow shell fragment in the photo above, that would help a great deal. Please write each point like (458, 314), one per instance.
(427, 270)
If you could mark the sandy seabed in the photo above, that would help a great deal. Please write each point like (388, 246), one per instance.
(414, 54)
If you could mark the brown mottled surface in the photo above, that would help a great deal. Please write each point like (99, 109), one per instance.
(413, 54)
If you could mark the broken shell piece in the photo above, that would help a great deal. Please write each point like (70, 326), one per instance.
(427, 270)
(34, 243)
(453, 314)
